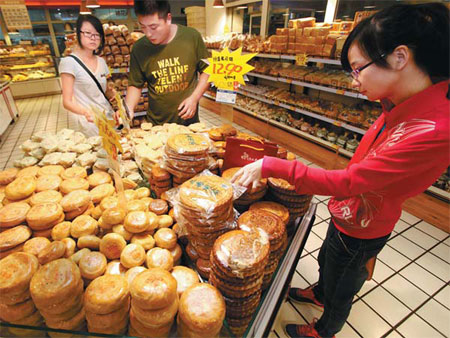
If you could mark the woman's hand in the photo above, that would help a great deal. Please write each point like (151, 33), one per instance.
(250, 175)
(89, 116)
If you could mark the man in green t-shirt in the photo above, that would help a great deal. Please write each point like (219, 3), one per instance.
(169, 58)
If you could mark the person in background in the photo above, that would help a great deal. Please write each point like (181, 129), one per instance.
(169, 59)
(79, 90)
(400, 56)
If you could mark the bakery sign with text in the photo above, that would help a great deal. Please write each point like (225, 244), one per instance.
(227, 69)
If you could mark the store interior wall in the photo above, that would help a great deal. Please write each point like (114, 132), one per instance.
(215, 19)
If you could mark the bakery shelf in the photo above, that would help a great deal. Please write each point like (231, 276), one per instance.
(209, 96)
(305, 112)
(262, 76)
(122, 70)
(324, 60)
(140, 113)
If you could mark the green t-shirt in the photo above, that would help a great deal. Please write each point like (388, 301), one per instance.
(170, 72)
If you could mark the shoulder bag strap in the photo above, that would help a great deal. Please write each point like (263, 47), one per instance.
(91, 75)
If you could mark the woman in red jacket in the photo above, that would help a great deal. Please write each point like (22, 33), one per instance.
(399, 56)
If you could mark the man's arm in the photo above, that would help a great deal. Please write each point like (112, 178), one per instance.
(132, 99)
(188, 107)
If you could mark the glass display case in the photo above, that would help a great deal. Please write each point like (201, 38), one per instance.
(25, 62)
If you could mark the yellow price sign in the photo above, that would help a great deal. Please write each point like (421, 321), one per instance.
(227, 69)
(301, 59)
(106, 131)
(122, 111)
(340, 91)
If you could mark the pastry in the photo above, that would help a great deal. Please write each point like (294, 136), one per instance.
(99, 177)
(144, 239)
(142, 192)
(131, 274)
(176, 253)
(8, 175)
(35, 245)
(83, 225)
(101, 323)
(136, 205)
(55, 282)
(76, 200)
(22, 187)
(30, 171)
(137, 221)
(70, 245)
(112, 245)
(12, 299)
(153, 289)
(138, 329)
(51, 252)
(63, 316)
(107, 294)
(115, 268)
(13, 237)
(47, 196)
(76, 257)
(185, 278)
(133, 255)
(159, 258)
(157, 317)
(88, 241)
(265, 220)
(75, 323)
(101, 191)
(203, 265)
(165, 221)
(202, 309)
(73, 184)
(43, 216)
(12, 313)
(165, 238)
(16, 271)
(97, 212)
(74, 172)
(61, 230)
(48, 182)
(51, 170)
(109, 202)
(120, 230)
(92, 265)
(13, 214)
(274, 208)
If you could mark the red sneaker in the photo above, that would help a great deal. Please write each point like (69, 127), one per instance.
(302, 331)
(304, 296)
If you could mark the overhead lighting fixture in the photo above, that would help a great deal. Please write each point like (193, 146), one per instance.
(370, 7)
(92, 4)
(218, 4)
(83, 8)
(13, 31)
(242, 7)
(320, 11)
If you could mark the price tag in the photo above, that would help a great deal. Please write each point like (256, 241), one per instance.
(106, 131)
(340, 91)
(123, 111)
(337, 123)
(289, 81)
(301, 59)
(226, 96)
(276, 102)
(227, 69)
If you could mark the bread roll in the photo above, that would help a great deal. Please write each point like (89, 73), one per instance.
(35, 245)
(131, 274)
(133, 255)
(76, 257)
(70, 247)
(61, 230)
(159, 258)
(120, 230)
(83, 225)
(89, 241)
(164, 221)
(92, 265)
(13, 214)
(166, 238)
(145, 239)
(185, 278)
(48, 182)
(51, 252)
(137, 221)
(20, 188)
(115, 268)
(13, 237)
(47, 196)
(112, 245)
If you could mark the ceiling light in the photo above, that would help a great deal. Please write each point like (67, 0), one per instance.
(242, 7)
(218, 4)
(369, 7)
(83, 8)
(92, 4)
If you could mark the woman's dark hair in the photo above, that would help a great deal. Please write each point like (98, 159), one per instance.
(94, 21)
(424, 28)
(150, 7)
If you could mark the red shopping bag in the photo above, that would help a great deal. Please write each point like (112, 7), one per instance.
(239, 152)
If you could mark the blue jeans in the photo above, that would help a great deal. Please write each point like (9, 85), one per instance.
(342, 273)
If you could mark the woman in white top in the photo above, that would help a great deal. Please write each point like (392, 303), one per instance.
(80, 92)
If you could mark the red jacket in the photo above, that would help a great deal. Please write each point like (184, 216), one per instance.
(407, 157)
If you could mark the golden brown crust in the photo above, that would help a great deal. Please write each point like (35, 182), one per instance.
(159, 258)
(155, 318)
(29, 171)
(76, 200)
(106, 294)
(202, 308)
(89, 241)
(120, 230)
(71, 324)
(73, 184)
(131, 274)
(136, 205)
(166, 238)
(153, 289)
(51, 252)
(142, 192)
(185, 278)
(159, 207)
(13, 237)
(61, 230)
(98, 178)
(112, 245)
(12, 313)
(13, 214)
(55, 281)
(101, 191)
(83, 225)
(8, 175)
(109, 320)
(35, 245)
(42, 216)
(176, 253)
(20, 188)
(265, 220)
(138, 329)
(16, 271)
(115, 268)
(47, 196)
(48, 182)
(92, 265)
(273, 207)
(109, 202)
(74, 172)
(145, 239)
(51, 170)
(133, 255)
(136, 221)
(70, 245)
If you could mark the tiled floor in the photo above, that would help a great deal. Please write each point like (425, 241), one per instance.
(409, 295)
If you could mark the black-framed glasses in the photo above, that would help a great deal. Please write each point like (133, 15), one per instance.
(355, 73)
(90, 35)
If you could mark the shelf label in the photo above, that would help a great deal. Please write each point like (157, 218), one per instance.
(106, 131)
(301, 59)
(337, 123)
(227, 69)
(226, 96)
(340, 91)
(289, 81)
